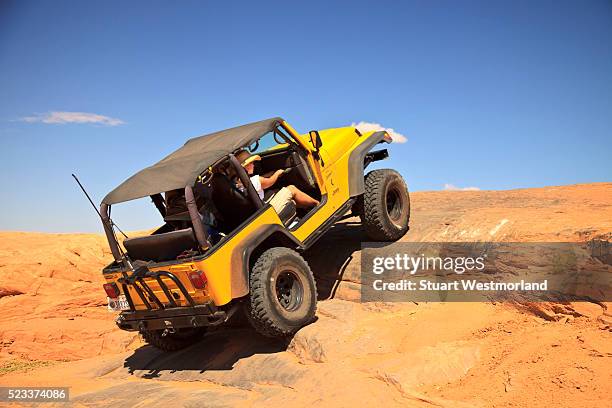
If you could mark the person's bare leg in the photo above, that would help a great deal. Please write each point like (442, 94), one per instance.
(301, 198)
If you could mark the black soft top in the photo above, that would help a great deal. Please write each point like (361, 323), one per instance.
(182, 167)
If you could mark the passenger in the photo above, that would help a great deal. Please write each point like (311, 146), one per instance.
(279, 199)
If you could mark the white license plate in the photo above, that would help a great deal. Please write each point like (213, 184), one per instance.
(118, 304)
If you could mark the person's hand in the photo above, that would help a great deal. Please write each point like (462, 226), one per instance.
(279, 172)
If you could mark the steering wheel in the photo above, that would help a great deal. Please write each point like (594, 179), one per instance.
(255, 147)
(206, 177)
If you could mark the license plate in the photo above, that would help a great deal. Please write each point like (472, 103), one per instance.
(118, 304)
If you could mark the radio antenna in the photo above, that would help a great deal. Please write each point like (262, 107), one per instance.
(94, 206)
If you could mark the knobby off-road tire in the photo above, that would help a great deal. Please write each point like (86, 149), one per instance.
(386, 205)
(181, 339)
(283, 293)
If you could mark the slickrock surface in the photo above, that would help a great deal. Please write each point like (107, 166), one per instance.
(55, 329)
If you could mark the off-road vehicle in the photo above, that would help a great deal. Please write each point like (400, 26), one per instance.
(222, 248)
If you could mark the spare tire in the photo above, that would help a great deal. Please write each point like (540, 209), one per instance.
(386, 205)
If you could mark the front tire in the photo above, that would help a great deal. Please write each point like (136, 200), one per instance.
(386, 205)
(181, 339)
(283, 293)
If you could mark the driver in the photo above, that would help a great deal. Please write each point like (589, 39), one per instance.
(279, 199)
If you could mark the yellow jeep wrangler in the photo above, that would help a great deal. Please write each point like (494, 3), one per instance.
(223, 248)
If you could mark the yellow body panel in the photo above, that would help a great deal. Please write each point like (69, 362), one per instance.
(180, 271)
(337, 147)
(219, 265)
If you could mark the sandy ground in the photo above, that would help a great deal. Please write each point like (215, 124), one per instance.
(55, 329)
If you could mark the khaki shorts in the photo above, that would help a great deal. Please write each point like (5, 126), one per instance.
(279, 200)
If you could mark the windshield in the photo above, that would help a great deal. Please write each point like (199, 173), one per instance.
(276, 139)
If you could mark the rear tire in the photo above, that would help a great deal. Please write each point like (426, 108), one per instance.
(283, 293)
(386, 205)
(181, 339)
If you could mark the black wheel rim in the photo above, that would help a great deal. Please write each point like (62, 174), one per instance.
(394, 204)
(289, 290)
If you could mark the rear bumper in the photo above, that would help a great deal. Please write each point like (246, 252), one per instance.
(172, 318)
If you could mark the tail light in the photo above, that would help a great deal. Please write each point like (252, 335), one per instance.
(197, 279)
(111, 289)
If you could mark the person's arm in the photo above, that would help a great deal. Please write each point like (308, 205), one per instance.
(267, 182)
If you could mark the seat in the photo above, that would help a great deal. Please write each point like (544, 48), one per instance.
(161, 247)
(232, 205)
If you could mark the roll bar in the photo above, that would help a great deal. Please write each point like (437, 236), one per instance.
(196, 219)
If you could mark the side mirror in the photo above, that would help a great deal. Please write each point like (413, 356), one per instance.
(315, 139)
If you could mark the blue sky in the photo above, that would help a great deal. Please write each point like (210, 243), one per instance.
(494, 94)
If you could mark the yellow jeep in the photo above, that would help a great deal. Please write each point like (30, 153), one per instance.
(222, 248)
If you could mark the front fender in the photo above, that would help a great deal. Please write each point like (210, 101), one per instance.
(356, 161)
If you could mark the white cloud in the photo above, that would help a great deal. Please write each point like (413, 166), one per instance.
(451, 187)
(72, 117)
(369, 127)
